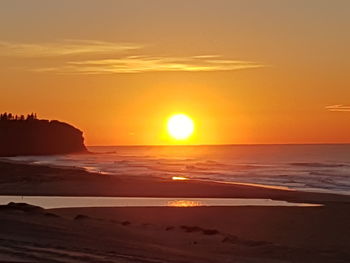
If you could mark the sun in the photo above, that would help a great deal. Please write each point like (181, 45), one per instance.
(180, 126)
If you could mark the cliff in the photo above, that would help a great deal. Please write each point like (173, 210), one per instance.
(31, 136)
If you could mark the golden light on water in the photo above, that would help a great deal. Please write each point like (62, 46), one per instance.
(180, 126)
(184, 203)
(179, 178)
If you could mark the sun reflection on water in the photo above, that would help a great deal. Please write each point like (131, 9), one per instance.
(184, 203)
(179, 178)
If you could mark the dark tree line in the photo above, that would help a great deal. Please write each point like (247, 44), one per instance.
(10, 117)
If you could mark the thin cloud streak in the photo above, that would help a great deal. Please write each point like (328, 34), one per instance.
(140, 64)
(63, 48)
(100, 57)
(338, 108)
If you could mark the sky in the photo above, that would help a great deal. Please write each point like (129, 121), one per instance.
(246, 71)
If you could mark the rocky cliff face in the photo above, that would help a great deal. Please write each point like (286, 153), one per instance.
(39, 137)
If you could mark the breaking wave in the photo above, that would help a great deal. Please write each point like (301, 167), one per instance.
(319, 168)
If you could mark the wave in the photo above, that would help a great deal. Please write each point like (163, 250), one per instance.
(300, 167)
(320, 165)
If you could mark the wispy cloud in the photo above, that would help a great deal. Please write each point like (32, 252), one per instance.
(339, 108)
(63, 48)
(98, 57)
(139, 64)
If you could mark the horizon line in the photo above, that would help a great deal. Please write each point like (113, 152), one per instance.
(221, 144)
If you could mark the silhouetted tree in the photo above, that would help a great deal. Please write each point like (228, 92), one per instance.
(31, 117)
(11, 117)
(4, 116)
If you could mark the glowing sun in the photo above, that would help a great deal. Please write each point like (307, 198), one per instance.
(180, 126)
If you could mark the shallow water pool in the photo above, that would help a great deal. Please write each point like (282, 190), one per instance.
(78, 201)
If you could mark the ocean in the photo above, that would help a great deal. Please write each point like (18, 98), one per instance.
(317, 168)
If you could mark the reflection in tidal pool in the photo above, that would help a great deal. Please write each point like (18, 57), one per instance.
(90, 201)
(184, 203)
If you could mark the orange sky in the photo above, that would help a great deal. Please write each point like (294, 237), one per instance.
(246, 71)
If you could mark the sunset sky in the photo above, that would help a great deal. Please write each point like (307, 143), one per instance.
(247, 72)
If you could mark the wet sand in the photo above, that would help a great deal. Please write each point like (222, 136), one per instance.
(167, 234)
(25, 179)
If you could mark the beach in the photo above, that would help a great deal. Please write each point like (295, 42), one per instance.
(19, 178)
(165, 234)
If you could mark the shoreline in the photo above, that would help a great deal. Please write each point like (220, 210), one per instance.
(41, 180)
(155, 178)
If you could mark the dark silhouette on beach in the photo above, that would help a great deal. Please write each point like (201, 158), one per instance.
(28, 135)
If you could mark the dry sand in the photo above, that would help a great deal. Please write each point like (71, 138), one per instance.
(198, 234)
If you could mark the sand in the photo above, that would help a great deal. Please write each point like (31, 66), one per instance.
(166, 234)
(198, 234)
(25, 179)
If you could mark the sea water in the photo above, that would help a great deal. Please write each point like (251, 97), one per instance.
(318, 168)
